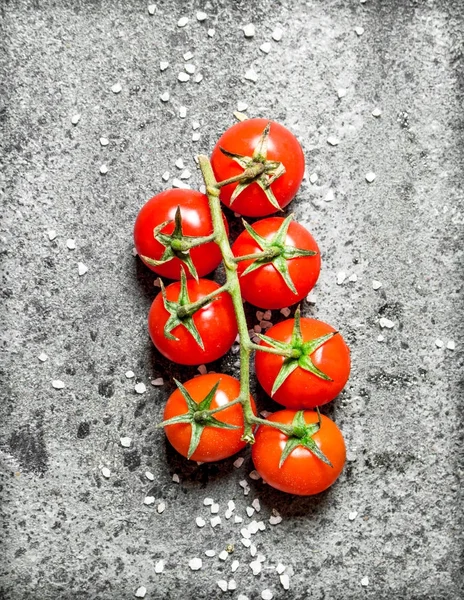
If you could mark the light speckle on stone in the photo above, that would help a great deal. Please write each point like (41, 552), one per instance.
(149, 500)
(141, 592)
(182, 22)
(251, 75)
(106, 472)
(249, 30)
(42, 357)
(116, 88)
(140, 388)
(266, 47)
(75, 119)
(277, 34)
(386, 323)
(370, 176)
(376, 285)
(165, 97)
(125, 442)
(451, 345)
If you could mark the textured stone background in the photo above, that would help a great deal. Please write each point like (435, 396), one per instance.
(69, 533)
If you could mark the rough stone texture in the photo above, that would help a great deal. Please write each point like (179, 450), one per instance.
(70, 533)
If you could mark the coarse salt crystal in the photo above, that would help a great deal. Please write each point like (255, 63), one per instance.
(341, 92)
(104, 141)
(103, 169)
(161, 507)
(222, 584)
(125, 442)
(256, 567)
(267, 315)
(51, 235)
(201, 16)
(285, 311)
(232, 585)
(267, 595)
(202, 369)
(58, 384)
(116, 88)
(376, 285)
(182, 22)
(140, 388)
(277, 34)
(149, 476)
(178, 183)
(341, 276)
(158, 381)
(280, 568)
(141, 592)
(266, 47)
(182, 112)
(235, 565)
(210, 553)
(245, 533)
(190, 68)
(200, 522)
(214, 508)
(238, 519)
(187, 55)
(195, 564)
(254, 475)
(370, 176)
(159, 566)
(175, 478)
(251, 75)
(380, 338)
(196, 136)
(165, 97)
(246, 542)
(353, 277)
(253, 550)
(208, 501)
(185, 174)
(250, 511)
(359, 30)
(253, 527)
(242, 106)
(151, 9)
(329, 196)
(75, 119)
(384, 322)
(275, 519)
(242, 597)
(285, 581)
(256, 505)
(451, 345)
(231, 505)
(71, 244)
(333, 141)
(164, 65)
(42, 357)
(215, 521)
(149, 500)
(183, 76)
(376, 112)
(261, 526)
(365, 581)
(195, 125)
(129, 374)
(249, 30)
(224, 555)
(439, 343)
(352, 516)
(228, 514)
(211, 32)
(313, 177)
(106, 472)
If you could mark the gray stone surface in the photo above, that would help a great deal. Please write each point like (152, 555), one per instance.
(67, 532)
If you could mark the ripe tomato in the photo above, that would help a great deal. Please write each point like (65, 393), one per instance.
(215, 443)
(302, 472)
(215, 322)
(196, 221)
(303, 388)
(282, 147)
(266, 287)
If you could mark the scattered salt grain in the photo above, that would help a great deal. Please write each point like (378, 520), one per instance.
(190, 69)
(175, 478)
(200, 522)
(215, 521)
(245, 533)
(222, 584)
(359, 30)
(195, 564)
(141, 592)
(267, 595)
(242, 106)
(158, 381)
(255, 566)
(224, 555)
(106, 472)
(51, 235)
(235, 565)
(341, 276)
(253, 527)
(451, 345)
(254, 475)
(214, 508)
(182, 22)
(376, 112)
(116, 88)
(161, 507)
(164, 65)
(165, 97)
(57, 384)
(332, 140)
(228, 514)
(103, 169)
(42, 357)
(211, 32)
(256, 505)
(376, 285)
(285, 581)
(187, 55)
(250, 511)
(201, 16)
(439, 343)
(183, 76)
(238, 519)
(352, 515)
(313, 177)
(280, 568)
(232, 585)
(265, 413)
(341, 92)
(380, 338)
(246, 542)
(365, 581)
(370, 176)
(285, 311)
(275, 519)
(185, 174)
(104, 141)
(384, 322)
(75, 119)
(249, 30)
(182, 112)
(125, 442)
(242, 597)
(198, 77)
(140, 388)
(195, 125)
(266, 47)
(253, 550)
(210, 553)
(202, 369)
(261, 526)
(149, 476)
(129, 374)
(251, 75)
(149, 500)
(353, 277)
(208, 501)
(329, 196)
(159, 566)
(277, 34)
(151, 9)
(178, 183)
(196, 136)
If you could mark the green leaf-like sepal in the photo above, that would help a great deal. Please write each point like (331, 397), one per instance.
(303, 437)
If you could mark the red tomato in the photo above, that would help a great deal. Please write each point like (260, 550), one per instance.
(302, 472)
(265, 287)
(282, 146)
(196, 221)
(215, 443)
(303, 389)
(215, 323)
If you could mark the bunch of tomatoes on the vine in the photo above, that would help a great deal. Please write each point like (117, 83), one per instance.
(256, 169)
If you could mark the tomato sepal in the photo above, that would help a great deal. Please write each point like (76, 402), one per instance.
(303, 436)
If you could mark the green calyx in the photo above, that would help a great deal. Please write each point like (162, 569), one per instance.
(297, 353)
(302, 435)
(257, 169)
(177, 245)
(198, 415)
(275, 252)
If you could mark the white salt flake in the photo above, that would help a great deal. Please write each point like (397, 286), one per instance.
(182, 22)
(116, 88)
(211, 32)
(190, 69)
(253, 527)
(196, 136)
(208, 501)
(255, 566)
(42, 357)
(353, 277)
(451, 345)
(164, 65)
(238, 519)
(129, 374)
(275, 519)
(228, 514)
(352, 515)
(253, 550)
(187, 55)
(341, 276)
(241, 106)
(285, 311)
(210, 553)
(266, 47)
(249, 30)
(439, 343)
(103, 169)
(185, 174)
(159, 566)
(195, 125)
(386, 323)
(141, 592)
(183, 76)
(201, 16)
(376, 285)
(195, 564)
(365, 581)
(158, 381)
(232, 585)
(380, 338)
(161, 507)
(329, 196)
(200, 522)
(165, 176)
(256, 505)
(280, 568)
(235, 565)
(75, 119)
(285, 581)
(242, 597)
(261, 526)
(175, 478)
(359, 30)
(246, 542)
(178, 183)
(106, 472)
(180, 163)
(222, 584)
(277, 34)
(341, 92)
(104, 141)
(149, 500)
(313, 177)
(251, 75)
(376, 112)
(231, 505)
(214, 508)
(311, 298)
(250, 511)
(51, 235)
(198, 77)
(165, 97)
(224, 555)
(58, 384)
(140, 388)
(149, 476)
(125, 442)
(267, 595)
(182, 112)
(245, 533)
(151, 9)
(215, 521)
(332, 140)
(370, 176)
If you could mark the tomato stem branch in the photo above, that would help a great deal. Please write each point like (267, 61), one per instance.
(271, 253)
(189, 309)
(249, 174)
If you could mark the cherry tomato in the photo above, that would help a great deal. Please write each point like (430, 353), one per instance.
(266, 287)
(215, 322)
(243, 139)
(302, 472)
(302, 388)
(196, 221)
(215, 443)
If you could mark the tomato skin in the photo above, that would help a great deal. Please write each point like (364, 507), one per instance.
(302, 389)
(196, 221)
(215, 444)
(242, 138)
(302, 473)
(215, 322)
(265, 287)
